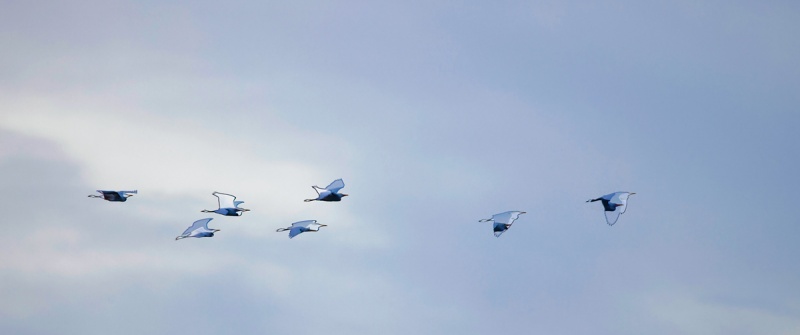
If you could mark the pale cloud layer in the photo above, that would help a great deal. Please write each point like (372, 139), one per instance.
(435, 115)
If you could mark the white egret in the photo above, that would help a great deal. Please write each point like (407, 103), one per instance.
(329, 193)
(614, 204)
(301, 227)
(503, 221)
(198, 229)
(228, 205)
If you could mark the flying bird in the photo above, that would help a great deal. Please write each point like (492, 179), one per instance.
(228, 205)
(503, 221)
(614, 205)
(329, 193)
(301, 227)
(120, 196)
(198, 229)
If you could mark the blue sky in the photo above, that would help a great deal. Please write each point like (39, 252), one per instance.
(436, 115)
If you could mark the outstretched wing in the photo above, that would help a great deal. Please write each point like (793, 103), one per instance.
(123, 193)
(199, 224)
(225, 200)
(335, 186)
(303, 224)
(499, 229)
(622, 199)
(506, 217)
(613, 216)
(295, 231)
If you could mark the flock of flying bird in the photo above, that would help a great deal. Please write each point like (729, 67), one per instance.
(614, 205)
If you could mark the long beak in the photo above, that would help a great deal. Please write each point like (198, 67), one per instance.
(216, 230)
(632, 193)
(523, 212)
(323, 225)
(344, 195)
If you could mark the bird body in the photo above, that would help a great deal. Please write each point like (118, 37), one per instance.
(198, 229)
(300, 227)
(503, 221)
(114, 196)
(228, 206)
(330, 192)
(614, 205)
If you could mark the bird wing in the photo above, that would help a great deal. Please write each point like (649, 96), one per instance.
(199, 224)
(237, 203)
(506, 217)
(225, 200)
(621, 198)
(612, 216)
(335, 186)
(303, 224)
(499, 232)
(123, 193)
(295, 231)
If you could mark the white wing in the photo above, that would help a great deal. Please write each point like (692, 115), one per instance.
(335, 186)
(506, 217)
(201, 225)
(612, 216)
(225, 200)
(621, 198)
(303, 224)
(123, 193)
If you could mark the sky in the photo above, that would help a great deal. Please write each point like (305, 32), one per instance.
(436, 115)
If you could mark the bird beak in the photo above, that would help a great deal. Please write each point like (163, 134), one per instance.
(522, 212)
(344, 195)
(323, 225)
(216, 230)
(632, 193)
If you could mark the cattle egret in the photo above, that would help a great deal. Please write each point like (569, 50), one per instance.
(614, 205)
(198, 229)
(120, 196)
(301, 227)
(503, 221)
(228, 205)
(329, 193)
